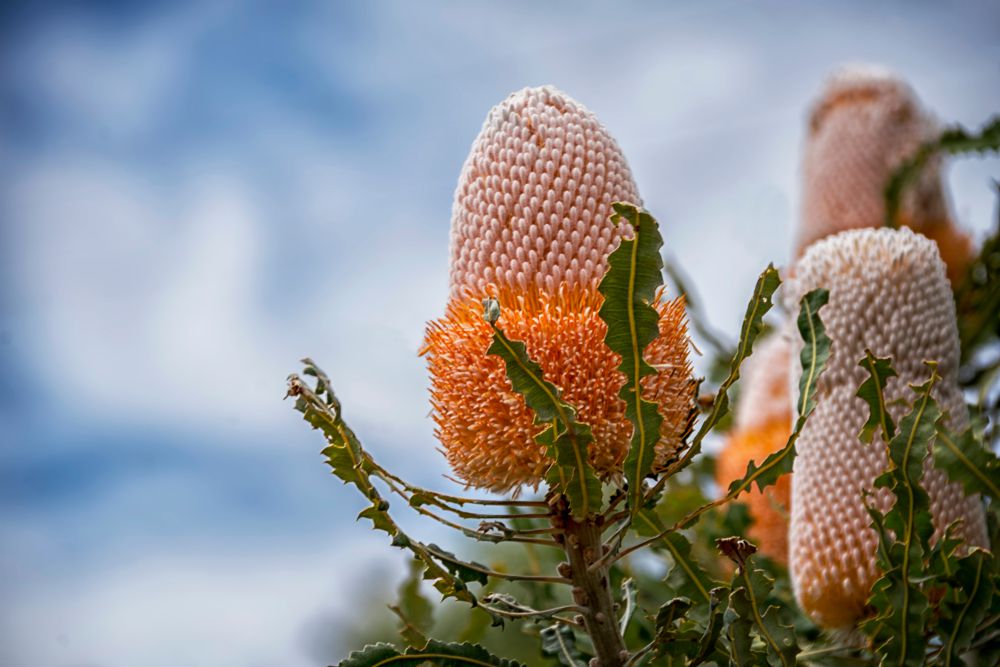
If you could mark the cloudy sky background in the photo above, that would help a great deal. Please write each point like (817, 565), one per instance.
(193, 196)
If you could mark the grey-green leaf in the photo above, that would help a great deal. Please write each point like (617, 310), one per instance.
(566, 439)
(629, 287)
(753, 325)
(559, 641)
(966, 460)
(815, 354)
(435, 652)
(872, 391)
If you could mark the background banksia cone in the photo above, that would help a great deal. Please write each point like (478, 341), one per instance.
(889, 293)
(530, 226)
(864, 125)
(762, 426)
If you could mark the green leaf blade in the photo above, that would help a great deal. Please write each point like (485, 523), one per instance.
(353, 465)
(435, 652)
(966, 460)
(872, 391)
(902, 607)
(813, 358)
(753, 326)
(566, 439)
(750, 589)
(629, 287)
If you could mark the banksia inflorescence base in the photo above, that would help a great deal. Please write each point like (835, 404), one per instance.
(531, 227)
(888, 294)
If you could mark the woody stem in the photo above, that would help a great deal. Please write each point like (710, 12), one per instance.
(591, 587)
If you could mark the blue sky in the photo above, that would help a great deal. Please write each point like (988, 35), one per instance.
(193, 196)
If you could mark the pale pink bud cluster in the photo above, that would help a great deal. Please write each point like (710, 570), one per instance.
(888, 293)
(533, 201)
(764, 387)
(863, 126)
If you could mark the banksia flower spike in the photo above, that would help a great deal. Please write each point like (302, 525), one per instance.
(762, 425)
(531, 228)
(864, 125)
(889, 294)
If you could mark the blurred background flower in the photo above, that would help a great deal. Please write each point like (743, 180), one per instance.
(192, 196)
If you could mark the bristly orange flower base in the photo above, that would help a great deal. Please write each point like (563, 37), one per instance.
(484, 425)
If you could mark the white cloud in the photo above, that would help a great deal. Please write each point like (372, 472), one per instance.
(145, 308)
(236, 608)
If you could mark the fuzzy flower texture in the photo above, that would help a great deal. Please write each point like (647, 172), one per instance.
(888, 293)
(864, 123)
(531, 227)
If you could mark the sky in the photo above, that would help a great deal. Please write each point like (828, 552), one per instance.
(195, 196)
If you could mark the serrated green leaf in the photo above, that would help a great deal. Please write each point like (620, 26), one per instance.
(815, 354)
(904, 535)
(708, 645)
(379, 516)
(966, 460)
(435, 652)
(457, 567)
(559, 641)
(749, 592)
(959, 625)
(629, 287)
(676, 637)
(816, 350)
(738, 627)
(353, 465)
(566, 439)
(753, 326)
(872, 391)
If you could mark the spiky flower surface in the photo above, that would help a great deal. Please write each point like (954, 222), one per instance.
(530, 226)
(864, 125)
(889, 293)
(762, 426)
(487, 430)
(534, 197)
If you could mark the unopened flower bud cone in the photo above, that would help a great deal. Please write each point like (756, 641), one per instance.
(530, 227)
(889, 294)
(863, 126)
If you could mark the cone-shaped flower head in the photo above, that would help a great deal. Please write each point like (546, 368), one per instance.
(762, 426)
(534, 197)
(888, 293)
(530, 226)
(864, 125)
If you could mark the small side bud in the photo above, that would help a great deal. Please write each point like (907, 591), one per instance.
(564, 570)
(491, 310)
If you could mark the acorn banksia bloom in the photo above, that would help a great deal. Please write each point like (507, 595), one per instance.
(762, 425)
(864, 125)
(889, 294)
(531, 227)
